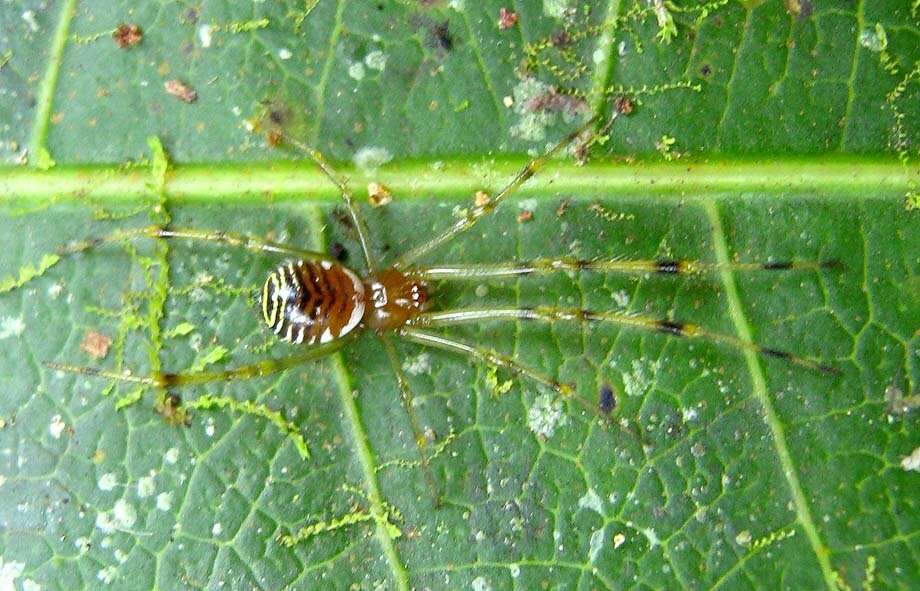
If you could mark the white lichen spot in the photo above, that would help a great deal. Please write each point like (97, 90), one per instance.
(11, 326)
(9, 572)
(146, 486)
(652, 537)
(482, 291)
(285, 54)
(527, 204)
(30, 585)
(57, 426)
(637, 381)
(124, 513)
(595, 545)
(29, 17)
(698, 450)
(209, 427)
(531, 125)
(618, 540)
(55, 290)
(457, 5)
(369, 158)
(481, 584)
(83, 544)
(217, 529)
(555, 8)
(172, 455)
(120, 555)
(205, 35)
(418, 365)
(545, 415)
(912, 462)
(164, 501)
(108, 481)
(356, 71)
(376, 60)
(107, 574)
(590, 500)
(106, 523)
(621, 298)
(515, 571)
(2, 480)
(743, 538)
(874, 39)
(690, 414)
(599, 55)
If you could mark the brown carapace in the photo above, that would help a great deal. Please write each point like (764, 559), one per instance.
(310, 302)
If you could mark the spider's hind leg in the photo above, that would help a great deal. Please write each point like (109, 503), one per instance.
(174, 410)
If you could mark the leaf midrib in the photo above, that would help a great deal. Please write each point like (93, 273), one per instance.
(826, 178)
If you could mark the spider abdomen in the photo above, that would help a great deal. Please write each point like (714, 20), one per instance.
(312, 302)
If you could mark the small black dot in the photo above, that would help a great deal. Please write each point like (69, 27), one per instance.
(338, 252)
(607, 401)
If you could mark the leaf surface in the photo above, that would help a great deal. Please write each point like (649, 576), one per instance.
(761, 131)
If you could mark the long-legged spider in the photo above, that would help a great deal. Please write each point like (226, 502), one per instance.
(316, 302)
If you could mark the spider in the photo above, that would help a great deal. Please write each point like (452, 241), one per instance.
(318, 304)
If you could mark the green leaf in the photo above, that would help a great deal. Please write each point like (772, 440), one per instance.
(748, 131)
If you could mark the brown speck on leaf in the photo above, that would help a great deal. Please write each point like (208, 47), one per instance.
(623, 105)
(170, 407)
(553, 101)
(181, 91)
(191, 15)
(95, 344)
(506, 18)
(273, 138)
(378, 194)
(127, 36)
(560, 38)
(560, 211)
(525, 216)
(481, 198)
(440, 36)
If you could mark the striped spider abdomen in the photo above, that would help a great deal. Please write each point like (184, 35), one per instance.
(310, 302)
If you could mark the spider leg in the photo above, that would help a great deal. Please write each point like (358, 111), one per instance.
(243, 372)
(546, 266)
(417, 433)
(360, 227)
(662, 325)
(529, 169)
(492, 357)
(245, 241)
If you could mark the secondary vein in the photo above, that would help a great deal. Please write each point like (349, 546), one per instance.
(802, 510)
(49, 81)
(361, 445)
